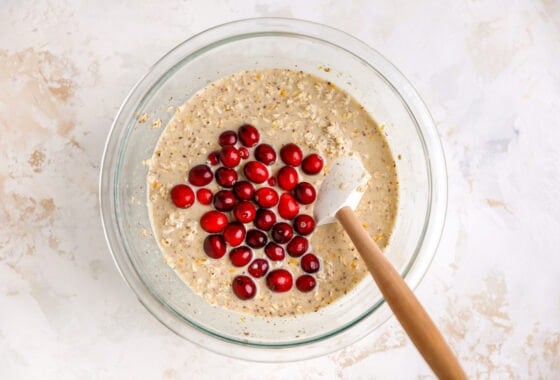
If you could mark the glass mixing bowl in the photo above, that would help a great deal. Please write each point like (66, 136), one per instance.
(264, 43)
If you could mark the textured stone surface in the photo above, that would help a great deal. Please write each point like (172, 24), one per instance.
(488, 72)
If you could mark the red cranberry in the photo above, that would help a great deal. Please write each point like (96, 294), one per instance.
(291, 154)
(287, 178)
(258, 268)
(234, 234)
(310, 263)
(182, 196)
(271, 181)
(243, 287)
(305, 193)
(265, 219)
(274, 252)
(255, 171)
(266, 197)
(244, 152)
(305, 283)
(279, 280)
(200, 175)
(244, 212)
(244, 190)
(304, 224)
(288, 208)
(297, 246)
(229, 155)
(282, 232)
(214, 246)
(312, 164)
(204, 196)
(255, 238)
(226, 177)
(213, 221)
(249, 135)
(265, 154)
(224, 200)
(214, 158)
(227, 138)
(240, 256)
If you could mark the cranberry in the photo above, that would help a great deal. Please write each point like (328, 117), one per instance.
(182, 196)
(279, 280)
(304, 224)
(266, 197)
(214, 246)
(271, 181)
(310, 263)
(234, 233)
(200, 175)
(213, 221)
(305, 283)
(305, 193)
(204, 196)
(226, 177)
(244, 212)
(282, 232)
(287, 178)
(265, 219)
(214, 158)
(240, 256)
(248, 135)
(297, 246)
(229, 155)
(312, 164)
(291, 154)
(244, 190)
(227, 138)
(255, 171)
(243, 287)
(255, 238)
(244, 152)
(258, 268)
(265, 154)
(224, 200)
(287, 207)
(274, 252)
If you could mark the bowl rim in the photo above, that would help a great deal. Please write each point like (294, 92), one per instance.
(435, 164)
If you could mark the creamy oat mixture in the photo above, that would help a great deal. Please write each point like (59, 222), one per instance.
(286, 106)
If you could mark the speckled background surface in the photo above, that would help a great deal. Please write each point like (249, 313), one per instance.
(488, 72)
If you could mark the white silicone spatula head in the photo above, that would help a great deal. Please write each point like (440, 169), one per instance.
(343, 186)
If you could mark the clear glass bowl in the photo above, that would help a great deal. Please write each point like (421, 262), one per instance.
(264, 43)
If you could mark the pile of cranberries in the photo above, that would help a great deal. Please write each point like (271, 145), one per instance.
(255, 209)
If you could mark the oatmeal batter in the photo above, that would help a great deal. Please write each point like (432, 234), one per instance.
(287, 107)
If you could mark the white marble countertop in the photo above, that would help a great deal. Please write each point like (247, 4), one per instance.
(489, 73)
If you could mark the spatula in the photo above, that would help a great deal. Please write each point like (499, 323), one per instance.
(339, 195)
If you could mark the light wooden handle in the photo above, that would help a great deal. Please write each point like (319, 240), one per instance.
(412, 316)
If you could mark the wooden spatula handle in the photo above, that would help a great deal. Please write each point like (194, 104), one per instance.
(412, 316)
